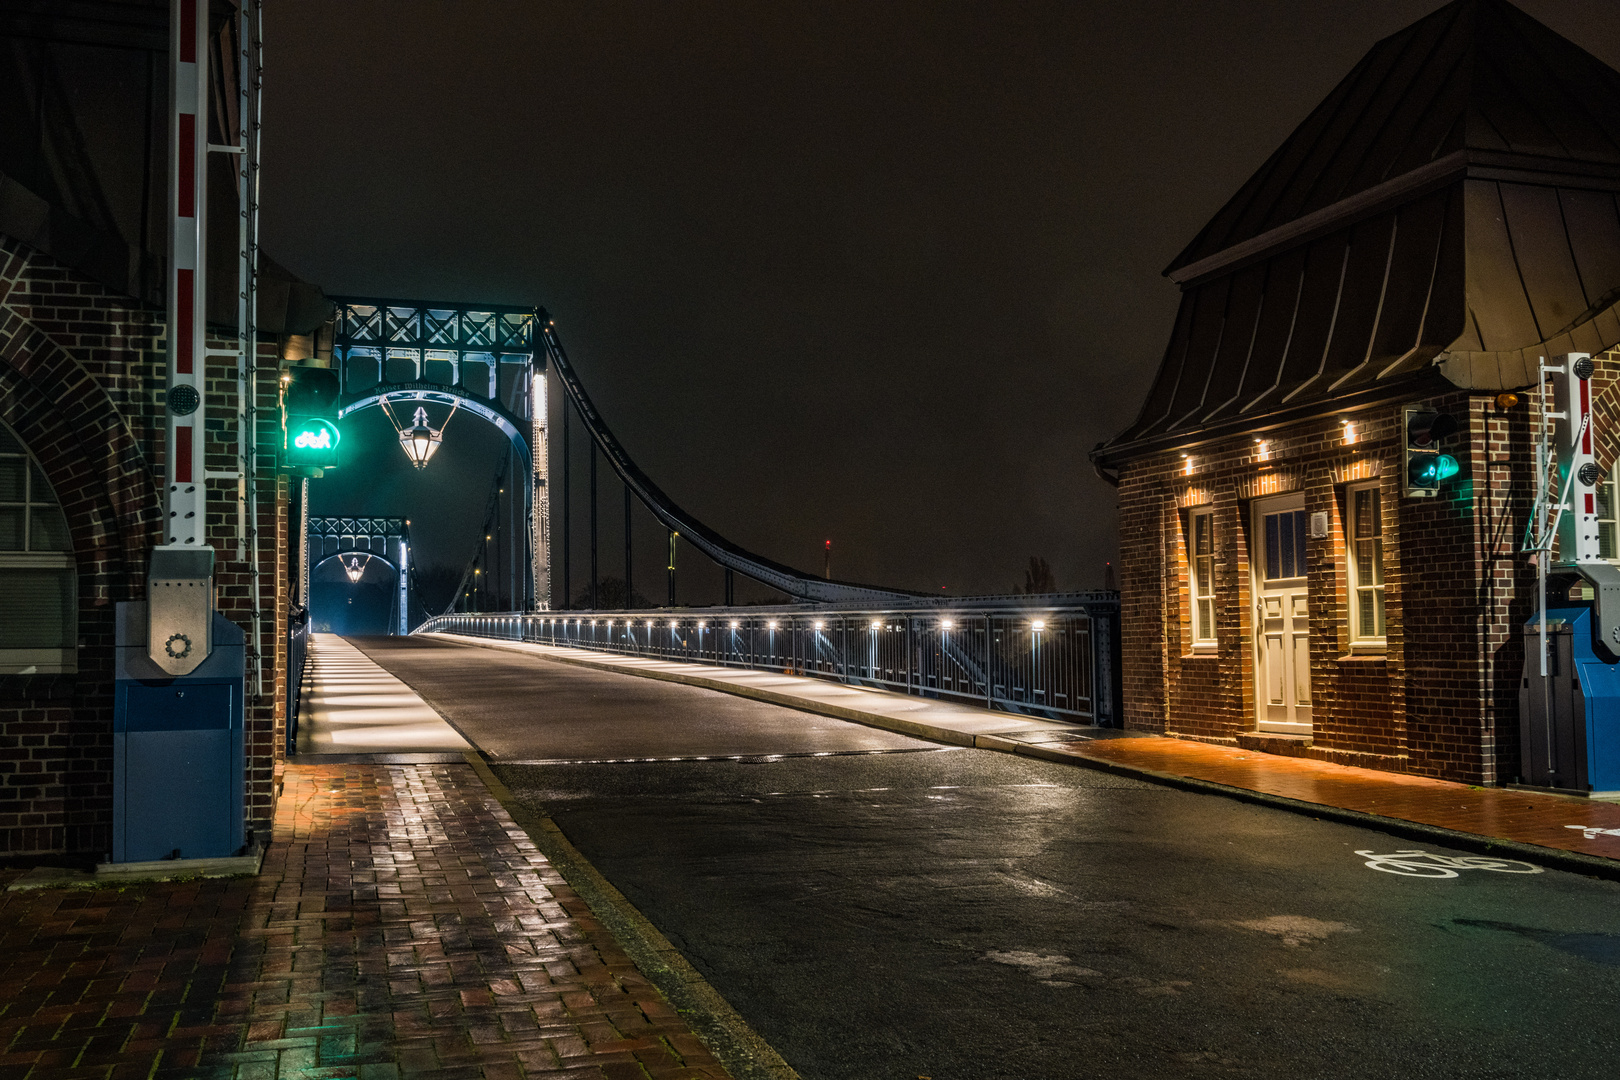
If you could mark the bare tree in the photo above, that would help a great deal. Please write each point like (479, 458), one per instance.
(1038, 577)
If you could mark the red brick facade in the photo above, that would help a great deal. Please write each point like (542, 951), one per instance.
(81, 382)
(1441, 697)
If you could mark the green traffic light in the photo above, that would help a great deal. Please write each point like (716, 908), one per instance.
(1431, 470)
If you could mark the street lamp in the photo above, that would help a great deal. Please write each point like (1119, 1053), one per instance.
(355, 569)
(419, 441)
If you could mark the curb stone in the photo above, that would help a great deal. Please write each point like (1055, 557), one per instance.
(728, 1036)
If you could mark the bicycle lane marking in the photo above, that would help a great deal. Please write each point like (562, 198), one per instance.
(1417, 863)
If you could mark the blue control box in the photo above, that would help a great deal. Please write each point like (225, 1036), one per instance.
(178, 752)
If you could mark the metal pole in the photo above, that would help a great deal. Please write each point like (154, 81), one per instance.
(303, 544)
(673, 535)
(539, 493)
(593, 526)
(567, 532)
(253, 66)
(629, 589)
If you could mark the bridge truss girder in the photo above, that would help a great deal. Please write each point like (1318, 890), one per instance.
(332, 537)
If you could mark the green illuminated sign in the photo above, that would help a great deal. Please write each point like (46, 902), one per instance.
(312, 441)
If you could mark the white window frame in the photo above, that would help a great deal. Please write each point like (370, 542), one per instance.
(1201, 596)
(37, 661)
(1360, 639)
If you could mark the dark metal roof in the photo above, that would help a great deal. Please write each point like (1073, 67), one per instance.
(1447, 215)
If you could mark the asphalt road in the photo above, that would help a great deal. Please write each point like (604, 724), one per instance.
(965, 915)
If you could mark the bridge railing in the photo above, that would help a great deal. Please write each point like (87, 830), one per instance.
(1057, 659)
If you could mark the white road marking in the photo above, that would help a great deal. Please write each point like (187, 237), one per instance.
(1429, 865)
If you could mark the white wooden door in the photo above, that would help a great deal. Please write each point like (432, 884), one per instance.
(1282, 627)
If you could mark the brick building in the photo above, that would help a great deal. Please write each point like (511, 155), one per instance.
(83, 189)
(1444, 219)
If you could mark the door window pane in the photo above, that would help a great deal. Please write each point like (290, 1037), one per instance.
(1285, 545)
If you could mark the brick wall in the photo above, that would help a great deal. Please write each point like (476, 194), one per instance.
(81, 381)
(1441, 698)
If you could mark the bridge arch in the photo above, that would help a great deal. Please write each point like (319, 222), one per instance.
(328, 538)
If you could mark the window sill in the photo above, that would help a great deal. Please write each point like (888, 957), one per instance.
(1375, 654)
(1211, 651)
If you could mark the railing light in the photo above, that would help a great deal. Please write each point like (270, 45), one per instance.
(1038, 625)
(702, 625)
(735, 624)
(877, 624)
(771, 625)
(946, 624)
(818, 625)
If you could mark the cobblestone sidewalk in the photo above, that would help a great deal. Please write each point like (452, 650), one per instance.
(403, 926)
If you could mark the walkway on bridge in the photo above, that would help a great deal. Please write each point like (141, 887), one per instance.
(351, 706)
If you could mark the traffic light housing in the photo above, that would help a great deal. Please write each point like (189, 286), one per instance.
(1427, 466)
(309, 409)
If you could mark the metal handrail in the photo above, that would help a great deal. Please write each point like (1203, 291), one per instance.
(1053, 657)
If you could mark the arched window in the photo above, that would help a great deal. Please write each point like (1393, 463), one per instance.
(39, 614)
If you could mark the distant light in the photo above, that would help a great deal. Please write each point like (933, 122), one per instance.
(1038, 625)
(593, 622)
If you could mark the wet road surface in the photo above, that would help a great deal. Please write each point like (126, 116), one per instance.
(968, 914)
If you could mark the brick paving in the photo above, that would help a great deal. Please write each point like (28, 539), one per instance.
(1554, 821)
(403, 925)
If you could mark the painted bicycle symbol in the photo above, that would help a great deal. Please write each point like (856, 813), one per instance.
(1426, 864)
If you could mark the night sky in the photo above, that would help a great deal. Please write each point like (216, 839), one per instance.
(875, 272)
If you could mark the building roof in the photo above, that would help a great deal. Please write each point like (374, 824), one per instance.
(1446, 216)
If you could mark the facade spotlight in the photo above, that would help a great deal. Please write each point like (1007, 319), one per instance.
(420, 441)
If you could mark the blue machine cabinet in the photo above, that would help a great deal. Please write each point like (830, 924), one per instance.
(1569, 722)
(178, 752)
